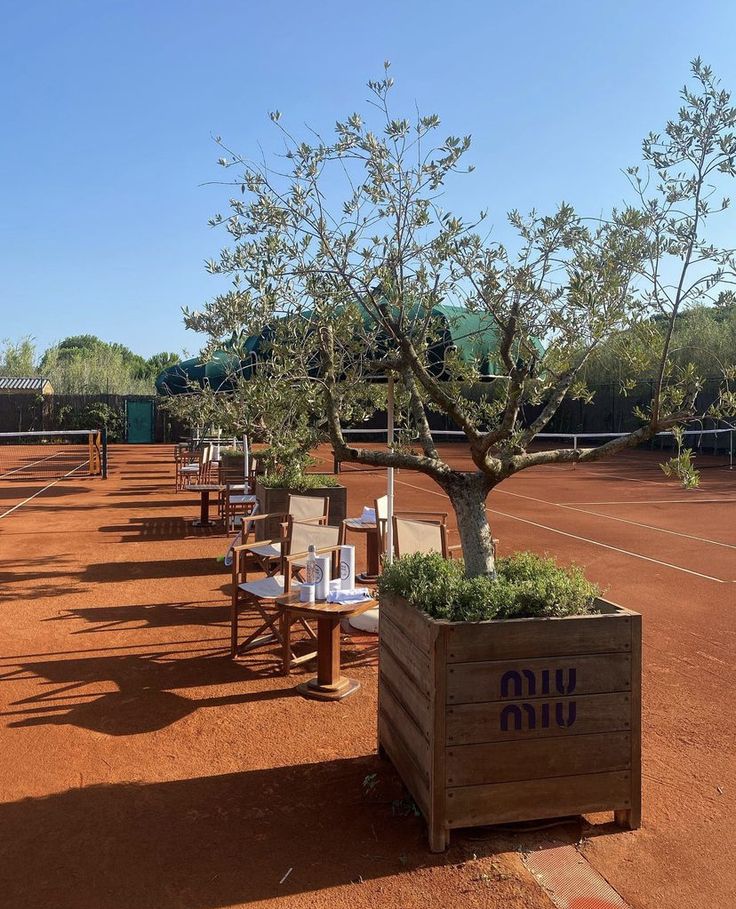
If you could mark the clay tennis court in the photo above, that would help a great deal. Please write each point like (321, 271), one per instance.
(143, 768)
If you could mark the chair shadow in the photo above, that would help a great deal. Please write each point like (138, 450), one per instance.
(102, 572)
(198, 613)
(174, 528)
(145, 699)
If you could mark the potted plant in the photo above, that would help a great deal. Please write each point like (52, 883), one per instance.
(511, 699)
(232, 460)
(346, 282)
(285, 465)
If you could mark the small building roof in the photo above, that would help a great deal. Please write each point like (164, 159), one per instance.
(25, 385)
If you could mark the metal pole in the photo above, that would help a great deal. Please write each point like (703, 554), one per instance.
(246, 461)
(390, 480)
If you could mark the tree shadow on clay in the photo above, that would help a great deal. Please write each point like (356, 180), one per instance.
(211, 841)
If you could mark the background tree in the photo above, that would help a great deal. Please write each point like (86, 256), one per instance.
(18, 358)
(85, 364)
(159, 362)
(341, 251)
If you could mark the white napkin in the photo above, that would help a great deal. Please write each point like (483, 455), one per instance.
(349, 596)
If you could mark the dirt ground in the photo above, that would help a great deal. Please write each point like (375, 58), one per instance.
(141, 767)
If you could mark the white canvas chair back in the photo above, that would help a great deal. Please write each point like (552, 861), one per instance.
(320, 535)
(381, 507)
(411, 537)
(204, 459)
(308, 508)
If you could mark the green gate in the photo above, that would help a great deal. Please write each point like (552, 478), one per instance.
(139, 421)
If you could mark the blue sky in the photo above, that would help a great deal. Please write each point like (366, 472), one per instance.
(107, 110)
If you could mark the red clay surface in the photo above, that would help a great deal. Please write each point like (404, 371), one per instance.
(140, 767)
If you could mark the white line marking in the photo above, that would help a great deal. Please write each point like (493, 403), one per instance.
(611, 517)
(657, 502)
(573, 536)
(25, 501)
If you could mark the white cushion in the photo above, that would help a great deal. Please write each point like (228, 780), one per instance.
(366, 621)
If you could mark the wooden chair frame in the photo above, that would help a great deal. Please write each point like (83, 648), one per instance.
(270, 615)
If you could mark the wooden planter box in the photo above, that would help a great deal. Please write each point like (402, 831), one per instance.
(276, 501)
(234, 463)
(512, 720)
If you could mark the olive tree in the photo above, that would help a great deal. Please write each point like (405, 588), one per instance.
(341, 250)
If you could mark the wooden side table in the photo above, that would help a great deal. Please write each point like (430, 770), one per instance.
(204, 489)
(329, 684)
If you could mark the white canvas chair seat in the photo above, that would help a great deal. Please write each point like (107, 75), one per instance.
(263, 594)
(242, 499)
(265, 550)
(189, 469)
(268, 588)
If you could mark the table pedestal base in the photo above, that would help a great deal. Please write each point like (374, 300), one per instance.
(336, 692)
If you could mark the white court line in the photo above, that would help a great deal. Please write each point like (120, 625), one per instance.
(657, 502)
(611, 517)
(25, 501)
(573, 536)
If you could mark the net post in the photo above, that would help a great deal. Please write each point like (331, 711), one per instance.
(103, 454)
(91, 460)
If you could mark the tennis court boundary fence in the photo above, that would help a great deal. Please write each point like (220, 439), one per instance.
(696, 439)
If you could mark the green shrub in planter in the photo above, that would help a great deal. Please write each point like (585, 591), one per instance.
(231, 453)
(526, 586)
(298, 482)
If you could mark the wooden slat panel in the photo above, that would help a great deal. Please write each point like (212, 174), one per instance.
(596, 674)
(403, 686)
(633, 816)
(501, 762)
(474, 723)
(499, 803)
(438, 829)
(415, 739)
(417, 626)
(414, 778)
(528, 638)
(415, 663)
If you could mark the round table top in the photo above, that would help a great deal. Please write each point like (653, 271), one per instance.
(323, 608)
(357, 524)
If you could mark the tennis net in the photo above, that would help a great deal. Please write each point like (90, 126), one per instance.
(52, 455)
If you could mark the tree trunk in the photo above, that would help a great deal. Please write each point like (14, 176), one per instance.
(468, 497)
